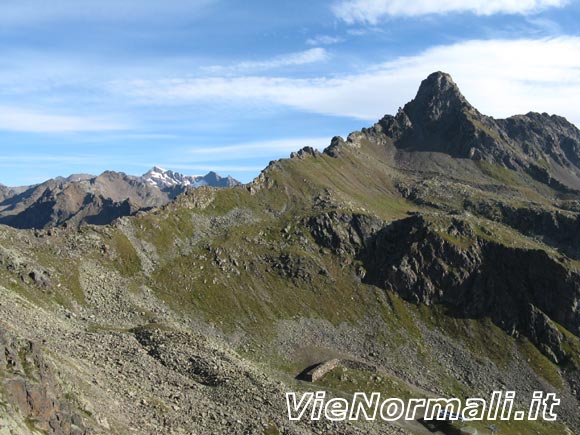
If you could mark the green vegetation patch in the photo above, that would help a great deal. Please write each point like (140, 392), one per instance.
(543, 367)
(127, 261)
(481, 336)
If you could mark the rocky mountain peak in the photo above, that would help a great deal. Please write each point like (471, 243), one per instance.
(438, 83)
(441, 120)
(96, 199)
(437, 98)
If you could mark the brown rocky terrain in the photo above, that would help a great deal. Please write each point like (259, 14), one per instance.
(83, 198)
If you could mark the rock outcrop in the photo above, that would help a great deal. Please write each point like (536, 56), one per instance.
(30, 386)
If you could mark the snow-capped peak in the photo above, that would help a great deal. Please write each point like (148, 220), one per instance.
(166, 178)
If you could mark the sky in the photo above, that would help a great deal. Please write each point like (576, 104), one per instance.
(199, 85)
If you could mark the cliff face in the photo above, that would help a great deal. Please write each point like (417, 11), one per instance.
(445, 262)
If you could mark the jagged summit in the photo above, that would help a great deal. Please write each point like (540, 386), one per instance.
(163, 178)
(441, 120)
(439, 80)
(438, 83)
(75, 177)
(438, 95)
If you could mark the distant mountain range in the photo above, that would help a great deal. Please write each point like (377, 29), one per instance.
(167, 179)
(96, 199)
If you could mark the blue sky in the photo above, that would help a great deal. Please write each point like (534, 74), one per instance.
(199, 85)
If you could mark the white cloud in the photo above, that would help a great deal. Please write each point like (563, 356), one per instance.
(312, 55)
(254, 149)
(324, 40)
(24, 120)
(371, 11)
(500, 77)
(231, 158)
(36, 164)
(45, 158)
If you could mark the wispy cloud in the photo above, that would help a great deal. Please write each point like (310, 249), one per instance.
(46, 158)
(544, 26)
(372, 11)
(43, 161)
(540, 72)
(305, 57)
(31, 11)
(324, 40)
(241, 157)
(254, 149)
(24, 120)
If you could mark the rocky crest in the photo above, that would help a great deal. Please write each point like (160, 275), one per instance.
(441, 120)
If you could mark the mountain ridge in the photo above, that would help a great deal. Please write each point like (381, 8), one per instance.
(440, 275)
